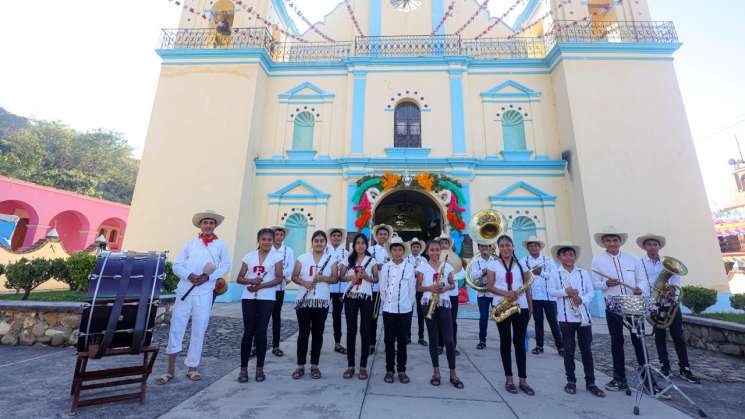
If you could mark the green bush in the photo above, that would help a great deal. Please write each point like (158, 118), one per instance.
(737, 301)
(27, 275)
(79, 266)
(2, 269)
(171, 280)
(698, 299)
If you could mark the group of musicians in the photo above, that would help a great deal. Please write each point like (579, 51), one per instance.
(396, 278)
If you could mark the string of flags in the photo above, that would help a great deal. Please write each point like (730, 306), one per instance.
(473, 16)
(354, 18)
(445, 17)
(499, 19)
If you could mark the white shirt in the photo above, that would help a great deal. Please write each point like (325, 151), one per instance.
(287, 255)
(647, 272)
(579, 279)
(255, 268)
(430, 276)
(398, 287)
(308, 269)
(622, 267)
(191, 260)
(363, 287)
(340, 255)
(381, 257)
(478, 272)
(457, 277)
(416, 261)
(501, 280)
(539, 290)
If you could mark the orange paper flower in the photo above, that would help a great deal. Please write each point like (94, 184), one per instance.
(425, 180)
(389, 180)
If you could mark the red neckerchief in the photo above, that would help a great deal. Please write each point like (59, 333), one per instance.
(508, 272)
(207, 238)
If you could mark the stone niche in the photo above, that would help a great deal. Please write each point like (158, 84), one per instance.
(715, 335)
(52, 323)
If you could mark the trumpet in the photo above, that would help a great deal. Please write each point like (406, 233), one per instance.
(436, 295)
(507, 307)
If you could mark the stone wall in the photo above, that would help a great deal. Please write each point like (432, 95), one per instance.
(52, 323)
(715, 335)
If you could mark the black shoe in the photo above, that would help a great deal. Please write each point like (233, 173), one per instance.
(616, 385)
(423, 342)
(537, 350)
(457, 352)
(687, 374)
(481, 345)
(665, 370)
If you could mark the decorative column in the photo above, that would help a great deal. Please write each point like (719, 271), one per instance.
(456, 111)
(358, 111)
(438, 10)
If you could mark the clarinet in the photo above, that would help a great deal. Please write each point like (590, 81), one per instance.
(351, 283)
(302, 300)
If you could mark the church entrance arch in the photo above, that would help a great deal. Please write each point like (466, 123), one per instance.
(411, 213)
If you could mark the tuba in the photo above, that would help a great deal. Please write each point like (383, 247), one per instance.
(484, 227)
(665, 294)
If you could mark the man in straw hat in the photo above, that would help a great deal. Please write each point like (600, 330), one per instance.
(572, 287)
(542, 302)
(288, 263)
(335, 248)
(381, 233)
(198, 265)
(415, 258)
(614, 272)
(650, 267)
(446, 248)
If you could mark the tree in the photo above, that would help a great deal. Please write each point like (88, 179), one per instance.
(78, 268)
(26, 275)
(698, 299)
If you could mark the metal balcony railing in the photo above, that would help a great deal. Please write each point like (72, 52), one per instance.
(425, 46)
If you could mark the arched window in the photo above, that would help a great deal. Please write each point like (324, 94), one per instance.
(407, 126)
(513, 131)
(522, 228)
(297, 232)
(302, 136)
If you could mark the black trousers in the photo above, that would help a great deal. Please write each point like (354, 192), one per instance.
(584, 338)
(352, 308)
(484, 314)
(441, 325)
(512, 331)
(615, 329)
(419, 316)
(541, 307)
(374, 322)
(277, 318)
(255, 322)
(396, 327)
(676, 332)
(311, 322)
(336, 306)
(454, 314)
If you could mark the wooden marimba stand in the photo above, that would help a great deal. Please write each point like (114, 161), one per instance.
(139, 372)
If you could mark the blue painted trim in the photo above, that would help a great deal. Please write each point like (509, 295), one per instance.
(306, 102)
(538, 196)
(319, 93)
(438, 11)
(305, 203)
(299, 174)
(300, 154)
(457, 114)
(494, 205)
(466, 190)
(516, 155)
(279, 6)
(407, 152)
(315, 193)
(505, 73)
(530, 8)
(376, 17)
(358, 115)
(523, 91)
(351, 213)
(429, 162)
(511, 101)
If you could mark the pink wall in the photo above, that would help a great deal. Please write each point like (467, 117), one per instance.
(77, 218)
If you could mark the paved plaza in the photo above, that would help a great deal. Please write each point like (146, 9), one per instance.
(36, 383)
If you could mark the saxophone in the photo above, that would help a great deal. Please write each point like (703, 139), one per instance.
(507, 307)
(436, 295)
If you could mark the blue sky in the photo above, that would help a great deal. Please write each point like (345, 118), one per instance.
(90, 63)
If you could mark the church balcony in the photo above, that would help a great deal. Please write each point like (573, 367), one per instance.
(605, 33)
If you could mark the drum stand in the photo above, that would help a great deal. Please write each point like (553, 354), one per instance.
(645, 374)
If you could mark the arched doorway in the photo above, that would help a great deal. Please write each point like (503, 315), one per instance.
(411, 213)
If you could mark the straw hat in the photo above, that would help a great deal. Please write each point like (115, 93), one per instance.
(383, 226)
(279, 227)
(609, 231)
(563, 245)
(198, 217)
(396, 240)
(445, 236)
(649, 236)
(533, 239)
(340, 230)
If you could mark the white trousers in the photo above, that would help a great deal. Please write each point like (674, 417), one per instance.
(197, 307)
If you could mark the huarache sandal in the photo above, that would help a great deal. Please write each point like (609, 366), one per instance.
(525, 388)
(388, 377)
(363, 373)
(570, 388)
(340, 349)
(243, 376)
(403, 378)
(193, 375)
(165, 378)
(298, 373)
(537, 350)
(277, 352)
(260, 376)
(510, 387)
(435, 381)
(481, 345)
(596, 391)
(315, 373)
(348, 373)
(457, 383)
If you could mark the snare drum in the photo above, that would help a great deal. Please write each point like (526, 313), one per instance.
(629, 305)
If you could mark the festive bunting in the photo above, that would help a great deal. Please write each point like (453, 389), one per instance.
(354, 18)
(307, 22)
(473, 16)
(447, 14)
(500, 19)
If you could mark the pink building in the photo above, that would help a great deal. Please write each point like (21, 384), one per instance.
(78, 219)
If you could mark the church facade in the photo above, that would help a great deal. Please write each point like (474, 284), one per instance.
(417, 115)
